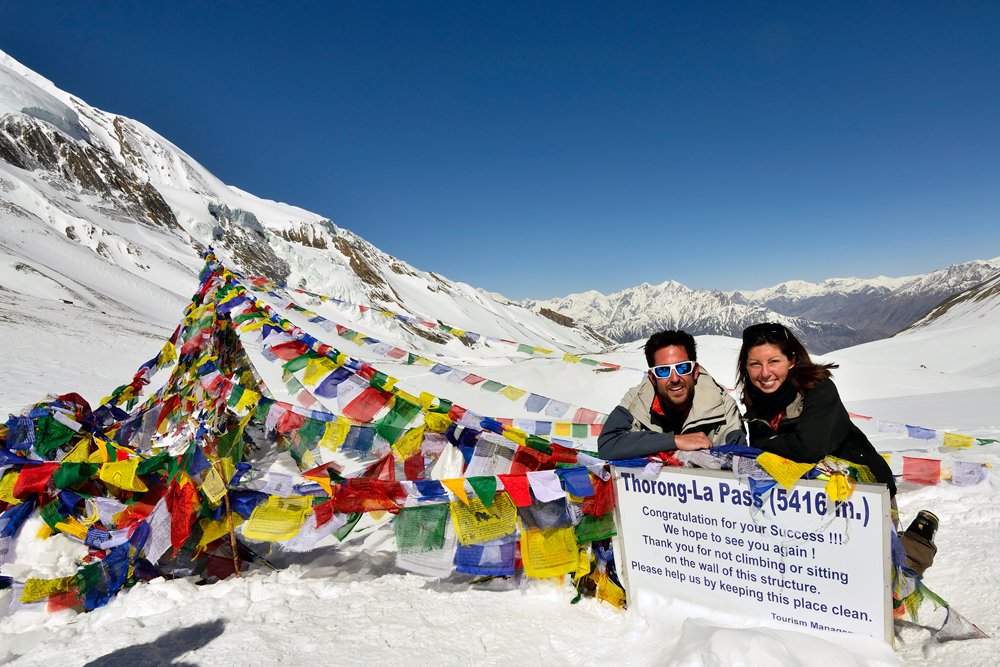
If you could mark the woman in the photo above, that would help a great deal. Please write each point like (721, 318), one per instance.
(794, 410)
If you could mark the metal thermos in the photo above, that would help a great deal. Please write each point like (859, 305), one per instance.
(925, 525)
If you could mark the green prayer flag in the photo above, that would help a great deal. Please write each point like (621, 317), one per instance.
(581, 430)
(50, 435)
(527, 349)
(70, 474)
(539, 444)
(392, 425)
(153, 464)
(311, 431)
(298, 363)
(51, 515)
(443, 407)
(420, 529)
(491, 385)
(985, 441)
(235, 395)
(87, 577)
(485, 487)
(379, 380)
(263, 407)
(590, 362)
(592, 528)
(346, 529)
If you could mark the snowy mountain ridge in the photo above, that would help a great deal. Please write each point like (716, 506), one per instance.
(831, 314)
(117, 215)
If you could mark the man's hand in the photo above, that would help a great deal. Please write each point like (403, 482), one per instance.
(692, 441)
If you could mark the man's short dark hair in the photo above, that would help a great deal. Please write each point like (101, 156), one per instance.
(667, 338)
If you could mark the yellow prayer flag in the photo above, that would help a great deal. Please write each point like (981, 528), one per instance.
(168, 354)
(308, 460)
(409, 444)
(252, 325)
(515, 435)
(36, 590)
(839, 487)
(277, 519)
(7, 483)
(317, 369)
(122, 474)
(563, 429)
(437, 422)
(458, 333)
(213, 530)
(457, 486)
(609, 591)
(475, 523)
(71, 526)
(513, 393)
(79, 453)
(582, 563)
(571, 358)
(958, 441)
(213, 486)
(426, 400)
(406, 396)
(247, 401)
(335, 433)
(542, 350)
(785, 472)
(227, 468)
(358, 338)
(423, 361)
(549, 553)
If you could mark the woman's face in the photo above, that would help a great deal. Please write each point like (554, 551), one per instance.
(767, 367)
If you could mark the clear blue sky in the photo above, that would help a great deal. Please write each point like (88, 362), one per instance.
(538, 149)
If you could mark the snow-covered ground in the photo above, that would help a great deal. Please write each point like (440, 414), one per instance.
(348, 603)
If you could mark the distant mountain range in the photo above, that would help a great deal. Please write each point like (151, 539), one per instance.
(833, 314)
(99, 210)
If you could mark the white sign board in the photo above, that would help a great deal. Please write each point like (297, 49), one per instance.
(796, 562)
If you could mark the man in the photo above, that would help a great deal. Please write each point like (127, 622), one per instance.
(677, 406)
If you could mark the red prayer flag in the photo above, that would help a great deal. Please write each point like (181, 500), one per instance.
(921, 471)
(413, 467)
(584, 416)
(562, 454)
(324, 512)
(292, 349)
(34, 479)
(180, 502)
(365, 405)
(517, 488)
(289, 422)
(603, 500)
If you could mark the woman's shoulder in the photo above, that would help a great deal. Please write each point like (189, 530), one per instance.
(823, 392)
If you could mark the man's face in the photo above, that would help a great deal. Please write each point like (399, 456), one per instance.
(677, 391)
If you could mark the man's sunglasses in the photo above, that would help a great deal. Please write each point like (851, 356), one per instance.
(681, 368)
